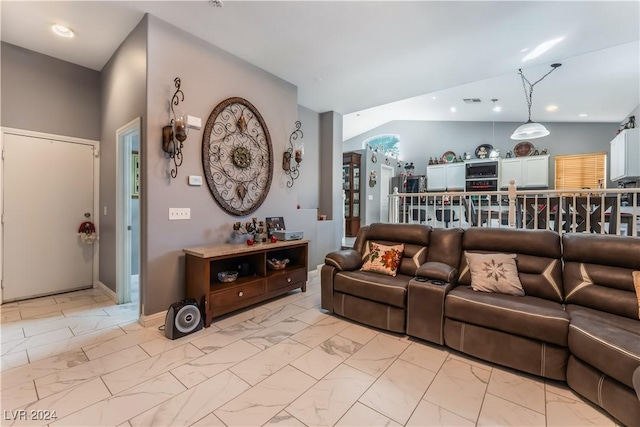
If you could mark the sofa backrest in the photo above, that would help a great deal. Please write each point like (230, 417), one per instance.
(415, 238)
(445, 245)
(598, 272)
(538, 257)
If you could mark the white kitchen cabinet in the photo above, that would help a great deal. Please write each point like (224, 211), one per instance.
(625, 155)
(449, 176)
(436, 178)
(528, 172)
(455, 176)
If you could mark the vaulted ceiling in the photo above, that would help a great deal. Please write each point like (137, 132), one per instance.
(352, 56)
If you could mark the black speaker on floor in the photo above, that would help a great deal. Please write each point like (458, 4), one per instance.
(183, 318)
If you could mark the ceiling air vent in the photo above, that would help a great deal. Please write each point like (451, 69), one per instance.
(472, 100)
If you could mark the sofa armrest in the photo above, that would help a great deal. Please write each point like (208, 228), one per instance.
(344, 260)
(438, 271)
(327, 276)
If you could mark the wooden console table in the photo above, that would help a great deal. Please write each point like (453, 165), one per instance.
(256, 281)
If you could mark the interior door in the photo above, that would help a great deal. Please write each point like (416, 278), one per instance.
(386, 173)
(48, 188)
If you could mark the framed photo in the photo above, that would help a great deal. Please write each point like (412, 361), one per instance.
(135, 175)
(275, 223)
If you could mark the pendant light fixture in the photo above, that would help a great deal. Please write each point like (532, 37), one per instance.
(531, 129)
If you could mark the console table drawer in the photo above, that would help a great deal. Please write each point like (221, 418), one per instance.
(237, 294)
(286, 279)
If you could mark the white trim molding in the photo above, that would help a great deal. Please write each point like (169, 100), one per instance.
(155, 319)
(108, 292)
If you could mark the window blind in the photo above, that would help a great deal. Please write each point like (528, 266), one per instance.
(581, 171)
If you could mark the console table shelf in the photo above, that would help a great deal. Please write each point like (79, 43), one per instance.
(256, 282)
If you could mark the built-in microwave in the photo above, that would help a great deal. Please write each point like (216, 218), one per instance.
(481, 170)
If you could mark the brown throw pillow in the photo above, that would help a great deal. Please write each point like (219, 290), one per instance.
(636, 284)
(494, 273)
(383, 259)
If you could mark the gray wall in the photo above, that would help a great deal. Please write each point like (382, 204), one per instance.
(420, 140)
(45, 94)
(308, 182)
(123, 99)
(331, 182)
(209, 75)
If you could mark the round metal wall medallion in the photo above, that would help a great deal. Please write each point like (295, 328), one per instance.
(237, 156)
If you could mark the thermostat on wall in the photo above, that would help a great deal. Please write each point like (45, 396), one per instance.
(194, 122)
(195, 180)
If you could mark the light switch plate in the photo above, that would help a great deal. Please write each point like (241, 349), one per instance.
(195, 180)
(179, 213)
(370, 196)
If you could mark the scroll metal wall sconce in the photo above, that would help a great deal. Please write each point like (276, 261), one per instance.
(175, 130)
(373, 179)
(296, 151)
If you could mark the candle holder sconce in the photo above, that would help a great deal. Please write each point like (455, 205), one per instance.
(295, 151)
(175, 133)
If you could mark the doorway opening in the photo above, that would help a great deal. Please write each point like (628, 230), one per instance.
(128, 214)
(386, 173)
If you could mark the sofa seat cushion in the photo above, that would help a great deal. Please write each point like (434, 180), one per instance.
(605, 341)
(388, 290)
(527, 316)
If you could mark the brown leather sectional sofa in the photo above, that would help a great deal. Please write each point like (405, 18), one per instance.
(578, 321)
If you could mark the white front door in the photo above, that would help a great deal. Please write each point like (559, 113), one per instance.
(386, 172)
(47, 188)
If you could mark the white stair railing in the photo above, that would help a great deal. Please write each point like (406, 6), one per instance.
(605, 211)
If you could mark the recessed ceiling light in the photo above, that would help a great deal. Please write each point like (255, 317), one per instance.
(552, 108)
(453, 109)
(62, 31)
(497, 108)
(542, 48)
(583, 115)
(434, 97)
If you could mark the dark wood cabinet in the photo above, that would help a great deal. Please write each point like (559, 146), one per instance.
(351, 186)
(256, 282)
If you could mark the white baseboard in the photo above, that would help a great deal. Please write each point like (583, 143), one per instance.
(155, 319)
(108, 292)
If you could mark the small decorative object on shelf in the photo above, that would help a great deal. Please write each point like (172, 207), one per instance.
(254, 227)
(227, 276)
(509, 154)
(544, 152)
(276, 264)
(430, 161)
(448, 157)
(460, 159)
(631, 123)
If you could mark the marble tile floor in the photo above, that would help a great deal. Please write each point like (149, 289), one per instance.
(285, 362)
